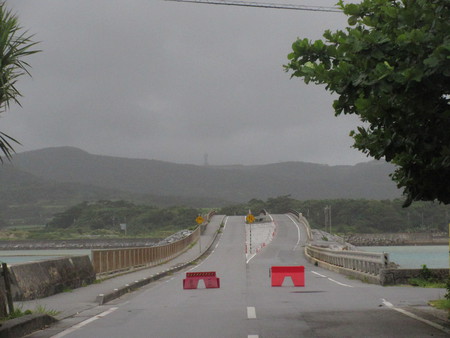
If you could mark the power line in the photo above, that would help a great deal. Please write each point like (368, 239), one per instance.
(263, 5)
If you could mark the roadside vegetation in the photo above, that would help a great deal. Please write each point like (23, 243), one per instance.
(107, 219)
(443, 304)
(18, 312)
(356, 216)
(427, 279)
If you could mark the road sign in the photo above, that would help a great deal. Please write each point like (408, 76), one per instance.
(199, 220)
(250, 218)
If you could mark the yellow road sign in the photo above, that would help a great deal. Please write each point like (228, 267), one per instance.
(199, 220)
(250, 218)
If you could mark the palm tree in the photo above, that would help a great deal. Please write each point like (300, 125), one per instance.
(14, 46)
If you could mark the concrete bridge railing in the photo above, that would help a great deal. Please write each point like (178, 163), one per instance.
(299, 216)
(359, 264)
(114, 260)
(359, 261)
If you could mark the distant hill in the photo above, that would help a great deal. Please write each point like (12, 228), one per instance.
(223, 183)
(39, 183)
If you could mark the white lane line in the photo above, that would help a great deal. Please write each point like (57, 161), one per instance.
(251, 257)
(198, 265)
(87, 321)
(225, 223)
(251, 312)
(252, 336)
(412, 315)
(339, 283)
(331, 280)
(298, 233)
(318, 274)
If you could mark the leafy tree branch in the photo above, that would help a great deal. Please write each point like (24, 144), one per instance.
(391, 67)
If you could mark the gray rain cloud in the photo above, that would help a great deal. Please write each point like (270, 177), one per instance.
(173, 81)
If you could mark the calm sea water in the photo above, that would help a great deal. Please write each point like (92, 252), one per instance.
(414, 256)
(22, 256)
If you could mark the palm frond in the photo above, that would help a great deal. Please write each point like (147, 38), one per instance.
(15, 45)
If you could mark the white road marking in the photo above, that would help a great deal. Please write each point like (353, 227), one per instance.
(251, 312)
(87, 321)
(298, 233)
(225, 223)
(195, 267)
(331, 280)
(253, 336)
(412, 315)
(251, 257)
(318, 274)
(339, 283)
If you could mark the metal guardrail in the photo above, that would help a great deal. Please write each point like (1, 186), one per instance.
(365, 262)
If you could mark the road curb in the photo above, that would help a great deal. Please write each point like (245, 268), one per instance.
(104, 298)
(22, 326)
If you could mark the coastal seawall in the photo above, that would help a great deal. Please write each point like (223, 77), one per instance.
(42, 279)
(397, 239)
(103, 243)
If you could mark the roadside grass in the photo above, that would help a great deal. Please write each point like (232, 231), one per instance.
(424, 283)
(442, 304)
(18, 312)
(40, 309)
(426, 279)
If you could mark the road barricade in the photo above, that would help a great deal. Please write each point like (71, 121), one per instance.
(297, 273)
(209, 277)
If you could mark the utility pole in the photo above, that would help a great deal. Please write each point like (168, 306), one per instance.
(327, 213)
(329, 216)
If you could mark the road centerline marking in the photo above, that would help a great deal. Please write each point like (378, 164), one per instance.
(251, 312)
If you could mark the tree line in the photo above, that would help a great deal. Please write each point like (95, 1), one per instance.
(112, 215)
(355, 216)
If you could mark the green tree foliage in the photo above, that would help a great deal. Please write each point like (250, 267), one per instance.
(140, 219)
(391, 67)
(356, 216)
(15, 45)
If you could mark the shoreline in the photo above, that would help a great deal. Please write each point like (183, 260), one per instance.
(397, 239)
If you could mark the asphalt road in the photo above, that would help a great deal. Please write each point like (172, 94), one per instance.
(245, 305)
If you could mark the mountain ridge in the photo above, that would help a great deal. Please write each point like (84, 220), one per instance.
(301, 180)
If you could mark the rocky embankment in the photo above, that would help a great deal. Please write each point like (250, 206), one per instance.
(76, 244)
(91, 243)
(391, 239)
(325, 240)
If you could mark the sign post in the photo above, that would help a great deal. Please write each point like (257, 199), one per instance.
(200, 221)
(250, 219)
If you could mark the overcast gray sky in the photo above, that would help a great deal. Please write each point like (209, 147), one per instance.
(174, 81)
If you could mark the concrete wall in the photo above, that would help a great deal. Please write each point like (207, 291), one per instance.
(401, 276)
(44, 278)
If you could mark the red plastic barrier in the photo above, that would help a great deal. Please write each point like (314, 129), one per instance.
(192, 278)
(297, 273)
